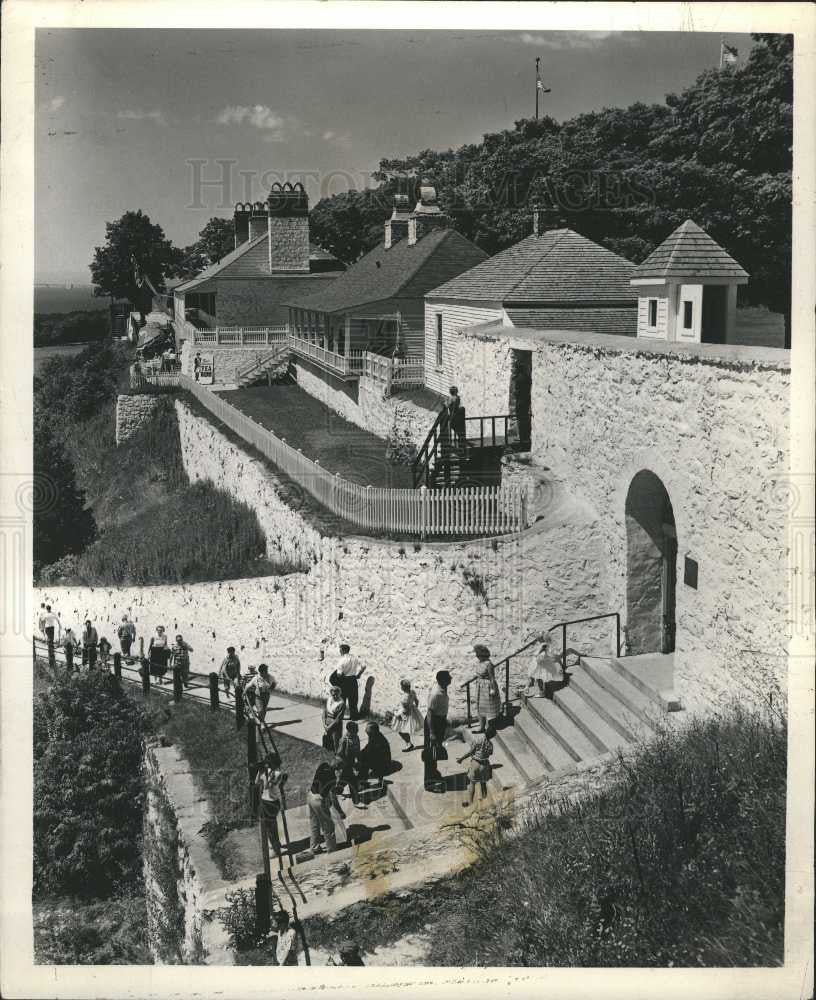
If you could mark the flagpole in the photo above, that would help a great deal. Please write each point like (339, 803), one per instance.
(722, 43)
(538, 78)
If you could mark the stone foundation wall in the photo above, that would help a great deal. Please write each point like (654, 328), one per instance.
(712, 423)
(408, 610)
(227, 361)
(131, 413)
(373, 412)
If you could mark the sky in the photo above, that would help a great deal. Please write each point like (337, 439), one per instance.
(132, 119)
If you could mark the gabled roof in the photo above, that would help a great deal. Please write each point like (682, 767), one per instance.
(403, 271)
(559, 266)
(689, 252)
(251, 260)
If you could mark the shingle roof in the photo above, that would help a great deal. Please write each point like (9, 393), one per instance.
(621, 320)
(249, 260)
(560, 266)
(404, 270)
(689, 252)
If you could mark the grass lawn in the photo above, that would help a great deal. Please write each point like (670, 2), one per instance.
(322, 435)
(216, 751)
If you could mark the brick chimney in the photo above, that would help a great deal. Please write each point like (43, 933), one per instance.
(396, 228)
(288, 225)
(546, 217)
(426, 216)
(258, 220)
(241, 218)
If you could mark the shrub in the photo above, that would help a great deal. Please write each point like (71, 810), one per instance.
(88, 788)
(74, 932)
(238, 917)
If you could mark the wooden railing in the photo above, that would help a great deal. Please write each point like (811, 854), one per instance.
(249, 336)
(394, 373)
(423, 465)
(155, 374)
(480, 510)
(343, 364)
(260, 364)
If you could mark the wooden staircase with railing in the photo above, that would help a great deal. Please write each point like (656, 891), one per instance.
(446, 459)
(260, 370)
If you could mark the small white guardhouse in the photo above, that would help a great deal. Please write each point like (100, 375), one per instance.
(687, 289)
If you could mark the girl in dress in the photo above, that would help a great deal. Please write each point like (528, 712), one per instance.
(333, 712)
(488, 700)
(547, 668)
(407, 719)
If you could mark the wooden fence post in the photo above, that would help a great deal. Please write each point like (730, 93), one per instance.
(239, 707)
(117, 666)
(178, 683)
(213, 692)
(263, 888)
(145, 671)
(252, 764)
(52, 660)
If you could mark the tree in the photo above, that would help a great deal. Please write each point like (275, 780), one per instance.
(350, 224)
(217, 239)
(88, 787)
(132, 236)
(62, 524)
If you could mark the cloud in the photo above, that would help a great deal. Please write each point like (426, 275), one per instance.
(276, 127)
(570, 40)
(138, 116)
(337, 138)
(55, 104)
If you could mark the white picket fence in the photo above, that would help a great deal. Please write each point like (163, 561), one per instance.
(477, 510)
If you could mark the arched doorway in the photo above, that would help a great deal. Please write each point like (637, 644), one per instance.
(651, 566)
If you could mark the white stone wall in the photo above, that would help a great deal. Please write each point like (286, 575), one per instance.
(407, 609)
(227, 361)
(132, 412)
(716, 434)
(373, 412)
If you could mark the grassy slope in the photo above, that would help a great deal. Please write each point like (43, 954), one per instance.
(141, 500)
(679, 862)
(216, 752)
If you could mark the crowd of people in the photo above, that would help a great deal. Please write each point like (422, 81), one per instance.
(354, 765)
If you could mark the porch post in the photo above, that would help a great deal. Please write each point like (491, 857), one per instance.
(348, 336)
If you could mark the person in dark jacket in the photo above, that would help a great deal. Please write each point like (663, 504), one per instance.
(90, 641)
(456, 413)
(375, 756)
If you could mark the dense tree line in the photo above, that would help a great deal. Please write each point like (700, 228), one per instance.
(720, 152)
(77, 327)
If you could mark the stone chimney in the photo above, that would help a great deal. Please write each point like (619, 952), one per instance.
(241, 218)
(288, 226)
(396, 228)
(545, 218)
(426, 216)
(258, 220)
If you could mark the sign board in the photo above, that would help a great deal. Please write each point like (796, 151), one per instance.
(203, 368)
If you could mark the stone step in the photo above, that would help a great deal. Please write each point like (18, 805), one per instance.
(625, 708)
(513, 744)
(599, 733)
(559, 725)
(545, 747)
(665, 699)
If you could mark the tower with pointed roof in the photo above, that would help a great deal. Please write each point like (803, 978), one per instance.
(687, 289)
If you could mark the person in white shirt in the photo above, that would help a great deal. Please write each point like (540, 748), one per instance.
(257, 691)
(51, 625)
(348, 673)
(269, 782)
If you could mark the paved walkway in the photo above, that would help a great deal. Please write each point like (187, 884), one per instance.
(405, 804)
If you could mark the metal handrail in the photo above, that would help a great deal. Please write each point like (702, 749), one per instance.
(523, 649)
(581, 621)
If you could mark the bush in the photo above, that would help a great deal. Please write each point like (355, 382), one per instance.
(88, 788)
(238, 917)
(74, 932)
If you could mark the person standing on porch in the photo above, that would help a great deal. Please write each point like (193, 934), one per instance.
(436, 727)
(349, 671)
(456, 413)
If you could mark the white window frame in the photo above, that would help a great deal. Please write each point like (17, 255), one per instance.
(439, 342)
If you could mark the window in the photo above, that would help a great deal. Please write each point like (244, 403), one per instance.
(652, 313)
(439, 340)
(688, 314)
